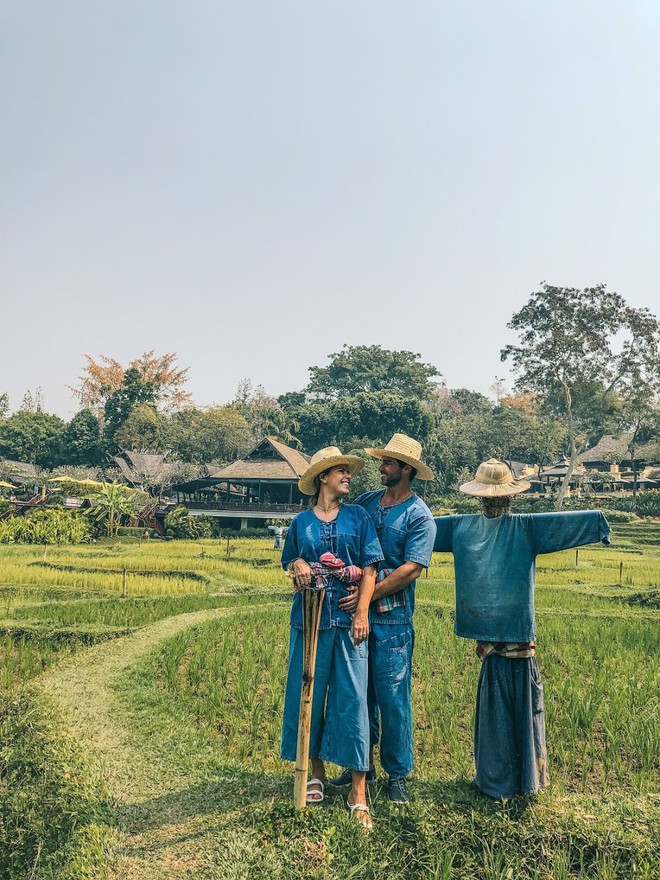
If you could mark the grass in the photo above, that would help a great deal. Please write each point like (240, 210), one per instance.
(188, 726)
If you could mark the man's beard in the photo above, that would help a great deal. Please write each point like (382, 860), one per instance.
(392, 480)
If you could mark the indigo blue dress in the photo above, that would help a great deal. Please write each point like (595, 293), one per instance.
(340, 721)
(495, 566)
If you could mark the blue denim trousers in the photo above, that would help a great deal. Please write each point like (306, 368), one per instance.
(340, 720)
(509, 729)
(389, 695)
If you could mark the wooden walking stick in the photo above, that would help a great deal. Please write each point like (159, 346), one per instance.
(312, 602)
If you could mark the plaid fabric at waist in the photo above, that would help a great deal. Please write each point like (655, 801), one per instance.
(392, 600)
(329, 566)
(511, 650)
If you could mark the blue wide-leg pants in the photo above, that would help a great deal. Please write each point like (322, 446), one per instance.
(340, 720)
(509, 729)
(389, 696)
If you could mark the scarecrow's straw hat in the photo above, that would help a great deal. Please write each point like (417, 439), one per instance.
(325, 458)
(494, 480)
(404, 448)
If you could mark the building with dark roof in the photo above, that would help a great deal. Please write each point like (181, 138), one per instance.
(262, 485)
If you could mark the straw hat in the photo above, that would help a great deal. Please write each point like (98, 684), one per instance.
(494, 480)
(325, 458)
(404, 448)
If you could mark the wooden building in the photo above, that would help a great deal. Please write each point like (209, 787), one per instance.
(263, 485)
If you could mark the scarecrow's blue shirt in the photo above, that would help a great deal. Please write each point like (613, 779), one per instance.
(351, 536)
(495, 566)
(406, 532)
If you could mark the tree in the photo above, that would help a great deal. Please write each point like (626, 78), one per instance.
(638, 372)
(4, 406)
(112, 501)
(33, 437)
(81, 442)
(144, 429)
(369, 368)
(565, 354)
(216, 434)
(101, 379)
(118, 407)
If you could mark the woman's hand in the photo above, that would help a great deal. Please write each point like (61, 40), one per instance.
(360, 627)
(301, 574)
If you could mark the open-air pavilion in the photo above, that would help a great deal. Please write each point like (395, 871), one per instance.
(262, 485)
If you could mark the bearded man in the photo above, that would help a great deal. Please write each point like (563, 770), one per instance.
(406, 532)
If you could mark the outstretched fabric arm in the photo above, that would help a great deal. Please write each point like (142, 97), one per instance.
(444, 534)
(550, 532)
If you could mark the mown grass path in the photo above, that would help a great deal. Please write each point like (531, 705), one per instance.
(168, 807)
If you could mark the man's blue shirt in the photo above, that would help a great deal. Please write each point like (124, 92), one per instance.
(406, 532)
(351, 536)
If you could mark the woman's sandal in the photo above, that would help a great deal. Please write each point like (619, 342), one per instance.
(361, 814)
(314, 794)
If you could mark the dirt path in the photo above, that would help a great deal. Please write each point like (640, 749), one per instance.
(176, 812)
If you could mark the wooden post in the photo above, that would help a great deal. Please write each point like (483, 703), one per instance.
(123, 589)
(621, 572)
(312, 604)
(45, 551)
(577, 557)
(227, 546)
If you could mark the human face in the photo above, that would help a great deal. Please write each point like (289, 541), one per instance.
(391, 472)
(338, 480)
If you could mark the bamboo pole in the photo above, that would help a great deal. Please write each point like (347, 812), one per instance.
(123, 588)
(312, 604)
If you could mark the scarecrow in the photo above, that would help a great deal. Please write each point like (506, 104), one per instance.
(495, 561)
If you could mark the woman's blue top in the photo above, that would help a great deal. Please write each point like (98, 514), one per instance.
(495, 565)
(351, 536)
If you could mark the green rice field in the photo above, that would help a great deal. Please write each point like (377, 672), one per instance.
(140, 732)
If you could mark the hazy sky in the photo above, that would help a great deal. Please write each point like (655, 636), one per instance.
(254, 184)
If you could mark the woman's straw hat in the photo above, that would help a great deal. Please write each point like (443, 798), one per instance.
(494, 480)
(325, 458)
(404, 448)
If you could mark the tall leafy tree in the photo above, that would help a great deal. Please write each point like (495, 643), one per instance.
(216, 434)
(369, 368)
(566, 353)
(102, 378)
(33, 437)
(82, 440)
(132, 392)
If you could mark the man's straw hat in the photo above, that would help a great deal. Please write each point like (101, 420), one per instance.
(326, 458)
(404, 448)
(494, 480)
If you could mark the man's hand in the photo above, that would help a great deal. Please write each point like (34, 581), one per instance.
(349, 603)
(360, 627)
(301, 574)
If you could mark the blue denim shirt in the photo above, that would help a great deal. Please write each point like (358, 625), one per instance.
(406, 532)
(495, 566)
(351, 536)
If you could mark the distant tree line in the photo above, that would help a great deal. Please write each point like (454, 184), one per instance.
(586, 364)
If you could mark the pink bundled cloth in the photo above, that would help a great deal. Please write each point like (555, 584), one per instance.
(330, 565)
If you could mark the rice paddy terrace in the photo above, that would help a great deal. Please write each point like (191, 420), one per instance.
(141, 690)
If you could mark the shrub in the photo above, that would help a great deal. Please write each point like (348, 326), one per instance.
(184, 526)
(45, 525)
(619, 516)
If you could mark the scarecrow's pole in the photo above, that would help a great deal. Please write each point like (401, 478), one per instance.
(312, 601)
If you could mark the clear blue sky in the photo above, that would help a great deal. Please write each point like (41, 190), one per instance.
(253, 184)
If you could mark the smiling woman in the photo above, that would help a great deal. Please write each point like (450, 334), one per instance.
(330, 547)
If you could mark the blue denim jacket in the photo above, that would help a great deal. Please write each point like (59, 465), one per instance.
(406, 532)
(351, 536)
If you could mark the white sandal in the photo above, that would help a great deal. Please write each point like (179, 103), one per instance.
(365, 822)
(314, 795)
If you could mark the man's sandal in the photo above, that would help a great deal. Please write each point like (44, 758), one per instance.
(314, 791)
(360, 812)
